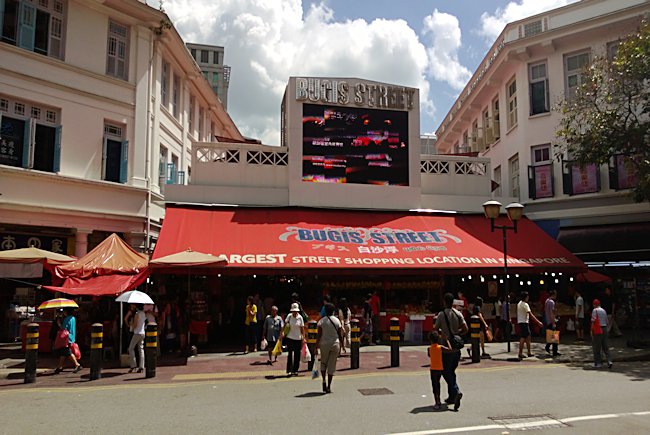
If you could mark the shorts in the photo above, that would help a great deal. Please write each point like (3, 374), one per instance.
(524, 330)
(63, 352)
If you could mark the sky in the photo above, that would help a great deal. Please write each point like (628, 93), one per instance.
(432, 45)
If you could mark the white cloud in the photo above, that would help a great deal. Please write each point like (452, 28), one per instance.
(493, 24)
(266, 42)
(444, 32)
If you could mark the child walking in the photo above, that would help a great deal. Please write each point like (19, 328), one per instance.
(435, 357)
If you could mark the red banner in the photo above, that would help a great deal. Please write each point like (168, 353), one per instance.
(295, 238)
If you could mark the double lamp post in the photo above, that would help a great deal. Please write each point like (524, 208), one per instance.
(515, 211)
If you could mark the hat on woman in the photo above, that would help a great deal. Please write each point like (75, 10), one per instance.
(295, 308)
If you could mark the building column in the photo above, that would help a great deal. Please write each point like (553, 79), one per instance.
(81, 242)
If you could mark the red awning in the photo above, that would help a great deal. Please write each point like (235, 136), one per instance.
(298, 238)
(101, 285)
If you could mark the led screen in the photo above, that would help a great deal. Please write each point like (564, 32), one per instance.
(354, 145)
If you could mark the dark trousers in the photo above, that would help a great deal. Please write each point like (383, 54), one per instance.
(376, 335)
(548, 345)
(449, 364)
(293, 354)
(435, 383)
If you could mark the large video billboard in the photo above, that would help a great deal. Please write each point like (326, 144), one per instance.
(354, 145)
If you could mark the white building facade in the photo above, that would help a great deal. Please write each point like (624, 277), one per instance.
(506, 114)
(99, 105)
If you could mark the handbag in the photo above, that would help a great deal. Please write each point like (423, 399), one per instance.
(488, 335)
(455, 340)
(596, 328)
(74, 348)
(305, 355)
(552, 337)
(62, 339)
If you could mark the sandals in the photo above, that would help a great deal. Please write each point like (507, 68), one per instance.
(77, 369)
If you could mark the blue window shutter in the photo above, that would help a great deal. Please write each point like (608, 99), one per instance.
(124, 161)
(2, 15)
(26, 26)
(104, 154)
(27, 144)
(56, 164)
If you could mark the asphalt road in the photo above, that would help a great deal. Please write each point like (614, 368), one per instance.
(579, 399)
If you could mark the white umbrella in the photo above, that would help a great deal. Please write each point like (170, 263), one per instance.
(134, 297)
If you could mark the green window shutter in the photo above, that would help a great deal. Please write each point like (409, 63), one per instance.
(56, 164)
(27, 144)
(124, 161)
(104, 154)
(26, 26)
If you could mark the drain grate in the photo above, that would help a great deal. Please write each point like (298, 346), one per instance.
(528, 422)
(374, 391)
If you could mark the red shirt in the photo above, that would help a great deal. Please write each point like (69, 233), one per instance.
(374, 305)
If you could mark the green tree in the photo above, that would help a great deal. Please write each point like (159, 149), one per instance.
(610, 112)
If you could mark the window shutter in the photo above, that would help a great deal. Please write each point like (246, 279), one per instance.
(27, 144)
(104, 155)
(56, 164)
(124, 161)
(613, 174)
(56, 37)
(2, 16)
(532, 192)
(26, 26)
(567, 180)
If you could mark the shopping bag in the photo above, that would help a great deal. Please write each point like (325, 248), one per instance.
(277, 350)
(596, 329)
(305, 355)
(552, 337)
(570, 325)
(74, 348)
(264, 344)
(488, 335)
(287, 329)
(61, 339)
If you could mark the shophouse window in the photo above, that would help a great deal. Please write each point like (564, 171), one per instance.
(511, 92)
(193, 52)
(215, 82)
(574, 68)
(204, 56)
(496, 126)
(540, 173)
(164, 84)
(513, 163)
(118, 50)
(176, 92)
(36, 26)
(538, 82)
(190, 118)
(612, 50)
(201, 121)
(115, 153)
(30, 136)
(497, 180)
(541, 154)
(215, 58)
(162, 164)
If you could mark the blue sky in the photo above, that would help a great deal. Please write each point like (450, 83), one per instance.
(433, 45)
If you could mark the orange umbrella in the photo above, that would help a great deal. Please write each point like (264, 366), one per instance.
(57, 304)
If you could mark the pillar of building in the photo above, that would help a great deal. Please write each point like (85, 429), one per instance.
(81, 242)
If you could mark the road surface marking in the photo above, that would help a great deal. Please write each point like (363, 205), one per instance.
(524, 426)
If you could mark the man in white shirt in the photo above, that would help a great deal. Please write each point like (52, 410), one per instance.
(580, 317)
(599, 340)
(523, 319)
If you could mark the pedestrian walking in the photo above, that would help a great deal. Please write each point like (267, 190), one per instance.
(452, 323)
(375, 307)
(550, 314)
(599, 335)
(137, 339)
(250, 324)
(272, 329)
(580, 316)
(439, 343)
(477, 311)
(366, 334)
(68, 324)
(328, 342)
(608, 301)
(344, 316)
(293, 335)
(523, 319)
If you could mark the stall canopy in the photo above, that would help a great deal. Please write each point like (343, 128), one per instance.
(29, 262)
(299, 238)
(111, 268)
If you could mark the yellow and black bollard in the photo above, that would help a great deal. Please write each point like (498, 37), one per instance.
(394, 342)
(312, 334)
(475, 337)
(151, 350)
(31, 353)
(355, 342)
(96, 349)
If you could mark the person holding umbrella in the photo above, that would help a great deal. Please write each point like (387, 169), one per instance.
(69, 324)
(137, 340)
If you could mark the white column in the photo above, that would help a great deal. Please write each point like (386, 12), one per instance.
(81, 242)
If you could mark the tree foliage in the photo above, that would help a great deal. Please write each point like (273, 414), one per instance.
(610, 113)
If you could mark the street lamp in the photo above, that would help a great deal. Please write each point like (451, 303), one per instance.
(515, 211)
